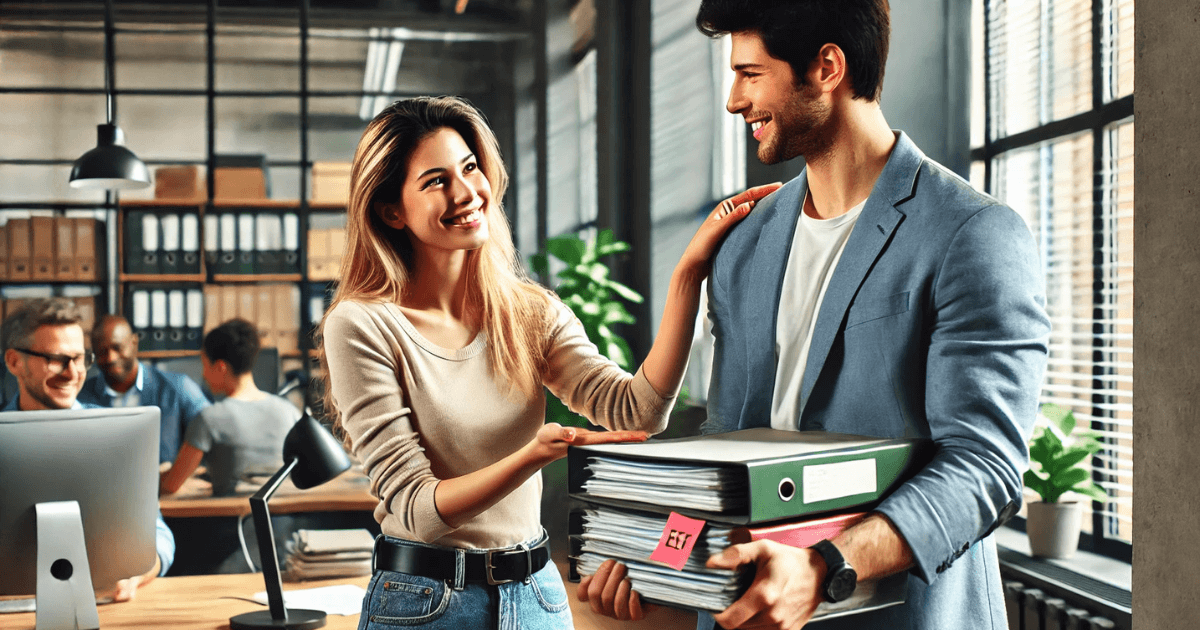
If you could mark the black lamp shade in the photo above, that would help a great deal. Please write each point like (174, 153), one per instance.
(318, 454)
(109, 165)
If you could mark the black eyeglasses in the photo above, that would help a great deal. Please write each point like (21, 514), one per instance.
(57, 363)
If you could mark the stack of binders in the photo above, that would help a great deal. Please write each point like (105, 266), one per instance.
(252, 241)
(328, 553)
(162, 241)
(274, 309)
(59, 249)
(166, 316)
(796, 488)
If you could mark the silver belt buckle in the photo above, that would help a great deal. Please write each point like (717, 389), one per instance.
(488, 566)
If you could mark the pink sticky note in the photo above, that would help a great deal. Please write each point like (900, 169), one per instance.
(678, 538)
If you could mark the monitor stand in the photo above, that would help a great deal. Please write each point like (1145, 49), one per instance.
(65, 599)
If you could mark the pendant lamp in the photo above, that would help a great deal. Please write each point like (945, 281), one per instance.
(110, 165)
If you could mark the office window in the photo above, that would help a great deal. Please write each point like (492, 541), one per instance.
(1053, 138)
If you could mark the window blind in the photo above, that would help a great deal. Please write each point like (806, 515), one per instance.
(1052, 67)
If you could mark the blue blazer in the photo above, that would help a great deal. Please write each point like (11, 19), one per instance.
(933, 325)
(178, 397)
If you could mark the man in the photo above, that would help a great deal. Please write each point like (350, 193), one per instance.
(126, 382)
(242, 434)
(906, 304)
(44, 350)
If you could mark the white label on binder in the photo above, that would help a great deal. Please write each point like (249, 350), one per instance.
(190, 238)
(176, 312)
(212, 231)
(316, 308)
(228, 232)
(291, 232)
(158, 309)
(245, 232)
(141, 310)
(150, 232)
(195, 308)
(823, 482)
(170, 232)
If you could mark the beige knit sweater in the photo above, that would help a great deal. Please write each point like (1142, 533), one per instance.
(417, 413)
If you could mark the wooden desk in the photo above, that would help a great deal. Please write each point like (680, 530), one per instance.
(204, 602)
(350, 492)
(199, 602)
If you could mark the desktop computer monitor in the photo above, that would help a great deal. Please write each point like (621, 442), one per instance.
(105, 461)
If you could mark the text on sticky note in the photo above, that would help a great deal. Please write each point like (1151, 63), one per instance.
(677, 540)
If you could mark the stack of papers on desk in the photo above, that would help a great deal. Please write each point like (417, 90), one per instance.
(327, 553)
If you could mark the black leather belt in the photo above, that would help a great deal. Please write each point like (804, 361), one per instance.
(491, 567)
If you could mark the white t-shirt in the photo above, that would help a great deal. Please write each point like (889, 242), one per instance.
(816, 247)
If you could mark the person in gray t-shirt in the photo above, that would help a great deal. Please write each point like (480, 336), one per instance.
(241, 435)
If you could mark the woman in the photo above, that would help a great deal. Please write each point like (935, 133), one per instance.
(436, 349)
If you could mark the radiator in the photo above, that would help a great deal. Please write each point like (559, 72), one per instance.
(1032, 609)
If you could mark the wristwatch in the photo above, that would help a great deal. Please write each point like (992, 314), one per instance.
(840, 577)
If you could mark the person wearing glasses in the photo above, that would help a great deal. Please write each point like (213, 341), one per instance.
(44, 350)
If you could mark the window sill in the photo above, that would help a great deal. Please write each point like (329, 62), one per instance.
(1094, 582)
(1097, 567)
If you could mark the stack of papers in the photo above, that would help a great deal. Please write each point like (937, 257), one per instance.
(630, 537)
(327, 553)
(710, 488)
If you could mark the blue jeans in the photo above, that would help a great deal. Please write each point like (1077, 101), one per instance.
(402, 600)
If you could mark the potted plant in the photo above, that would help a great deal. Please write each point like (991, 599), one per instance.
(1057, 455)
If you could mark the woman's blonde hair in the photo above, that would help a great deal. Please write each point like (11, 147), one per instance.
(377, 264)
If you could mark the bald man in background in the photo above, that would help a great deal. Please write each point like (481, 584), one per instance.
(124, 381)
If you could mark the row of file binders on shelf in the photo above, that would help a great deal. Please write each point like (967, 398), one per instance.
(235, 242)
(796, 488)
(86, 304)
(162, 243)
(166, 316)
(248, 242)
(273, 308)
(58, 249)
(325, 248)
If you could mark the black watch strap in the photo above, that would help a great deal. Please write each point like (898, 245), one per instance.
(840, 578)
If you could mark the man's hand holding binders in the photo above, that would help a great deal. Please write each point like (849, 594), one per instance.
(787, 581)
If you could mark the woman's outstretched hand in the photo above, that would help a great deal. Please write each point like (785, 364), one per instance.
(553, 439)
(699, 253)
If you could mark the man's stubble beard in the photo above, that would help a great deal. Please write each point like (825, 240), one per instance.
(805, 130)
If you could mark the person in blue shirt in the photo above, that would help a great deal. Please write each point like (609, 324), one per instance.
(44, 351)
(123, 381)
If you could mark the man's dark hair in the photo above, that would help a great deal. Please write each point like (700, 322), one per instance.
(234, 342)
(18, 328)
(795, 30)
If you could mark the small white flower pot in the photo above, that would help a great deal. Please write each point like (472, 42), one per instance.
(1053, 528)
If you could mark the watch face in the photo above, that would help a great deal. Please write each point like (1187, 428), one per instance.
(841, 583)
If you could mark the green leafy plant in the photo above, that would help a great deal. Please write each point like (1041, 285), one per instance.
(1059, 451)
(584, 285)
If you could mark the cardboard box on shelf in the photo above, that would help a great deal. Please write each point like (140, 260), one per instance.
(179, 182)
(331, 182)
(238, 182)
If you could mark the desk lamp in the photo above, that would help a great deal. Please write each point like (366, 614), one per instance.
(311, 456)
(109, 165)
